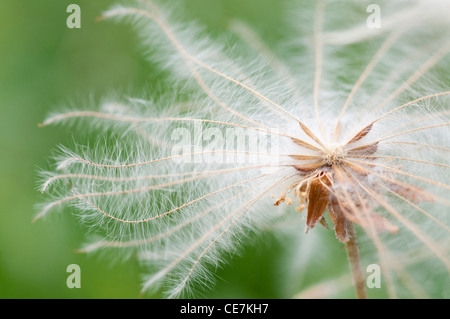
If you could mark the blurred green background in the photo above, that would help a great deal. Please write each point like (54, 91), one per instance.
(44, 64)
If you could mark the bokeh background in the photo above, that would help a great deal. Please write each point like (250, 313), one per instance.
(43, 65)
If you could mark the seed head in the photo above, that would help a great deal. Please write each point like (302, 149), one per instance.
(352, 127)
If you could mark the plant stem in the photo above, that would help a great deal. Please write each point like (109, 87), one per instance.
(355, 263)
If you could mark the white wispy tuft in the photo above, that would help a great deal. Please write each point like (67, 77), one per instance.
(347, 120)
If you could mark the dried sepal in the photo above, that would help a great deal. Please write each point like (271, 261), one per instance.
(413, 193)
(361, 134)
(364, 150)
(318, 197)
(339, 220)
(305, 168)
(310, 134)
(303, 157)
(304, 144)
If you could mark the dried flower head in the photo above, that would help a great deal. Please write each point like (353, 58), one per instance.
(352, 127)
